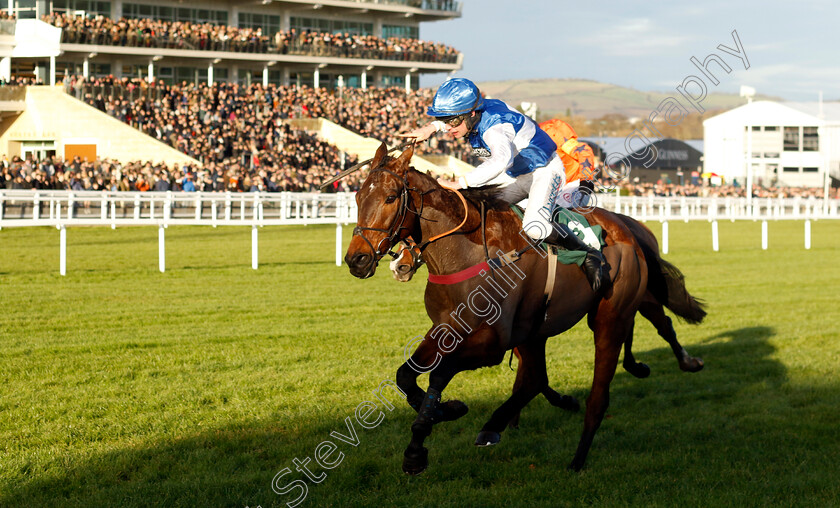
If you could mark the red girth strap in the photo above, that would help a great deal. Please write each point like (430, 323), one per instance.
(454, 278)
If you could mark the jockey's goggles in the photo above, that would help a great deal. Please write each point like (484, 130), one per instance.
(454, 121)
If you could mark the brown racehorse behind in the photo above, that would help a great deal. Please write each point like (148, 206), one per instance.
(476, 321)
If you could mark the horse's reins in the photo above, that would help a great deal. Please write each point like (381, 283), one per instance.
(362, 164)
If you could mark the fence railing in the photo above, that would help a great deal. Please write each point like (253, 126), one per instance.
(62, 209)
(20, 208)
(719, 208)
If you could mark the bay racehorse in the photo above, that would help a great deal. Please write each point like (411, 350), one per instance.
(476, 321)
(657, 297)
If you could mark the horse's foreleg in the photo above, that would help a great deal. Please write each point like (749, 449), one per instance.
(531, 379)
(480, 349)
(426, 357)
(416, 456)
(654, 313)
(566, 402)
(609, 336)
(630, 364)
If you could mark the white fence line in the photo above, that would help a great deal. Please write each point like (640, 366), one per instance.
(660, 208)
(62, 209)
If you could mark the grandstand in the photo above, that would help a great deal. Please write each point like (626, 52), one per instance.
(217, 87)
(323, 43)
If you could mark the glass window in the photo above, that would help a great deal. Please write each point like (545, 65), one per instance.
(791, 170)
(331, 26)
(401, 31)
(810, 139)
(810, 170)
(771, 128)
(270, 24)
(791, 143)
(172, 14)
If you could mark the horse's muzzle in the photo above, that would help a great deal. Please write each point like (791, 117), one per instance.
(361, 265)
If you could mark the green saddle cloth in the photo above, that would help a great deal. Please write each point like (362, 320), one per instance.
(577, 223)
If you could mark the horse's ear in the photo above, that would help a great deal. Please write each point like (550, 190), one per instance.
(405, 158)
(381, 153)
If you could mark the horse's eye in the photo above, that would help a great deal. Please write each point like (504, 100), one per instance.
(391, 199)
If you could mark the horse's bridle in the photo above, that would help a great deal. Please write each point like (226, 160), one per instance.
(394, 232)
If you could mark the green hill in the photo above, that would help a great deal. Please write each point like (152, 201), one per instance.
(592, 99)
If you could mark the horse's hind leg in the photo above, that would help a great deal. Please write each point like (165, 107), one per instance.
(654, 313)
(609, 336)
(637, 369)
(531, 379)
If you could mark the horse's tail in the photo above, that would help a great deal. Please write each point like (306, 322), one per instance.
(665, 281)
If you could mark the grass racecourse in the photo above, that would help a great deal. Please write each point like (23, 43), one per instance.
(123, 386)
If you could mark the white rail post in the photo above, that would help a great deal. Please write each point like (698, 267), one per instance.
(197, 206)
(36, 207)
(255, 252)
(665, 237)
(227, 206)
(113, 213)
(338, 244)
(62, 250)
(167, 208)
(764, 235)
(161, 249)
(213, 209)
(807, 235)
(103, 209)
(70, 206)
(136, 206)
(715, 244)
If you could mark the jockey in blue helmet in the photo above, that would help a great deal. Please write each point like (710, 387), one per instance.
(516, 155)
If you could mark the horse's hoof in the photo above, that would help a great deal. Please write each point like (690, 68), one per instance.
(566, 402)
(487, 438)
(692, 365)
(638, 369)
(450, 410)
(569, 403)
(415, 461)
(576, 465)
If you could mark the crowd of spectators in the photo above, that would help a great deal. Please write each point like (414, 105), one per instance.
(227, 119)
(149, 33)
(241, 136)
(302, 172)
(109, 175)
(722, 191)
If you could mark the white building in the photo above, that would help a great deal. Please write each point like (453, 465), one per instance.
(791, 143)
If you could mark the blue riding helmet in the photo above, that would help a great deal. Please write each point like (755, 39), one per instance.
(456, 96)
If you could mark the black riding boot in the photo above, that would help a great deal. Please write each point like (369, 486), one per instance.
(595, 265)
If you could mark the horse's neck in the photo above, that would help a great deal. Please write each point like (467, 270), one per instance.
(443, 212)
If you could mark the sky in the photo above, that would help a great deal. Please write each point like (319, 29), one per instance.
(792, 48)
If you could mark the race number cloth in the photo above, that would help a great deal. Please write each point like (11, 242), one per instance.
(577, 223)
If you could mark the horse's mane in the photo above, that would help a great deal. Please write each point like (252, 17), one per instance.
(489, 194)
